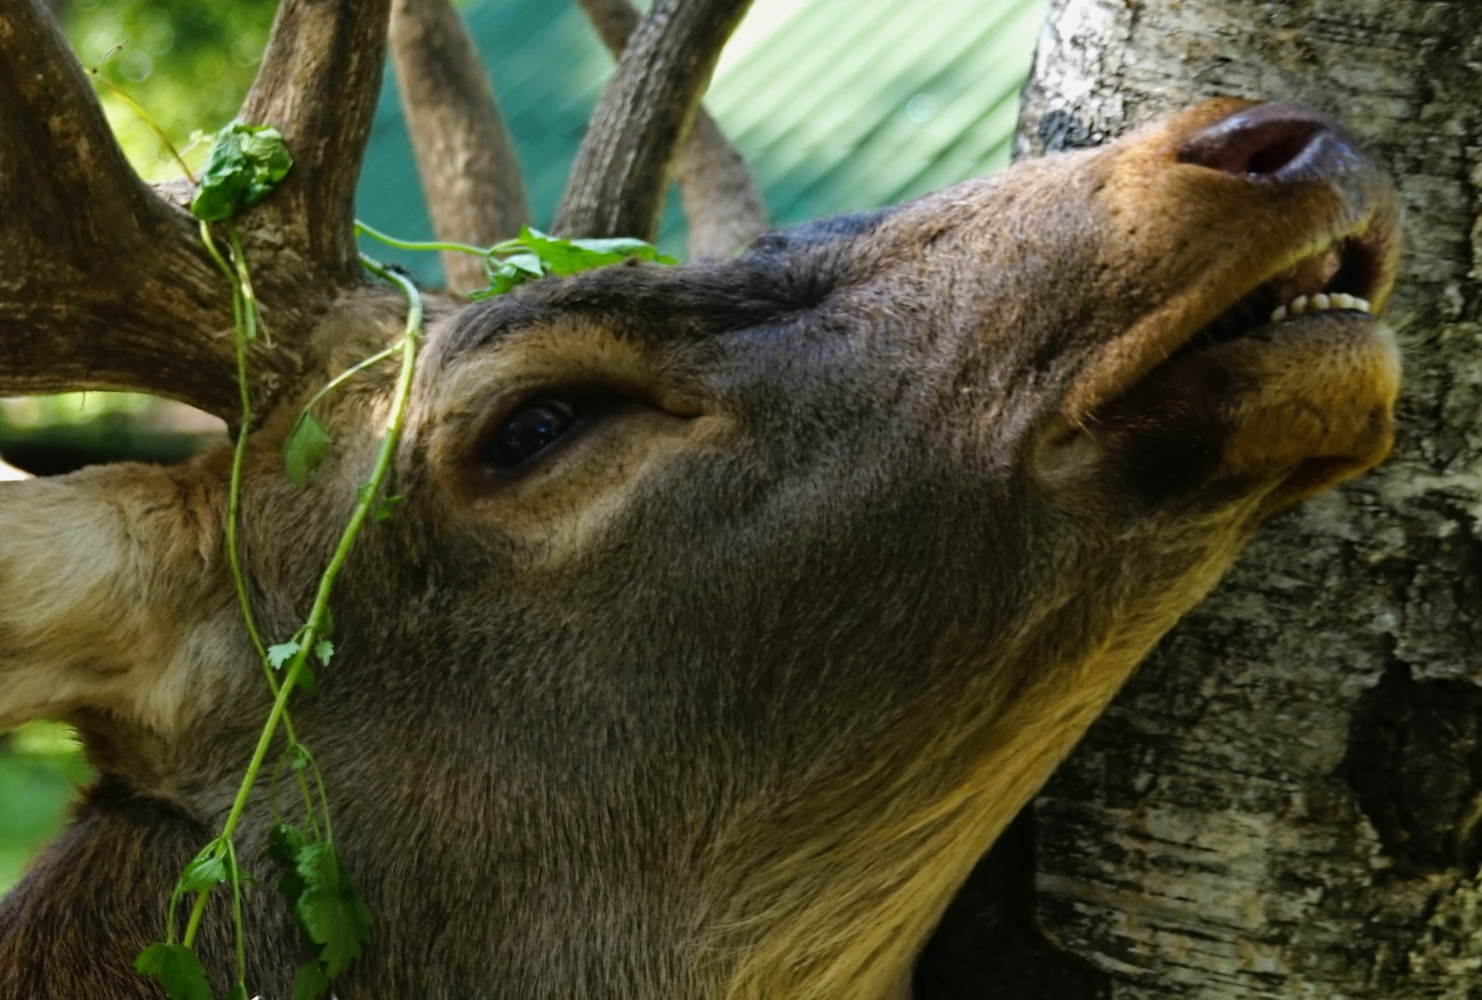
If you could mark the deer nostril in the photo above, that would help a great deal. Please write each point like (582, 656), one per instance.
(1271, 141)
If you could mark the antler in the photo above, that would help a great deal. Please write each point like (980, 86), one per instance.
(104, 284)
(464, 154)
(616, 187)
(318, 84)
(721, 202)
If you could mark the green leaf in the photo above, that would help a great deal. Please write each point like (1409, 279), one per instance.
(508, 273)
(324, 649)
(282, 653)
(284, 841)
(310, 983)
(176, 968)
(204, 873)
(297, 756)
(565, 257)
(208, 869)
(245, 164)
(330, 908)
(624, 248)
(381, 507)
(527, 263)
(239, 992)
(306, 448)
(308, 680)
(385, 508)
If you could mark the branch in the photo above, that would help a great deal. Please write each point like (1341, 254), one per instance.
(103, 285)
(721, 202)
(617, 185)
(464, 154)
(318, 84)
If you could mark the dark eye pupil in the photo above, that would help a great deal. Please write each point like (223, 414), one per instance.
(530, 430)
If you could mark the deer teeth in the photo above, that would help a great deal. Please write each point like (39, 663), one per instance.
(1320, 302)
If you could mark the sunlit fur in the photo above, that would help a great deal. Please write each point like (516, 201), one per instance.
(723, 697)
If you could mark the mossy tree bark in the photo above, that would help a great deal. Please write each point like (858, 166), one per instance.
(1286, 801)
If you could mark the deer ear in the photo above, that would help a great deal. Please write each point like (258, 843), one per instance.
(99, 571)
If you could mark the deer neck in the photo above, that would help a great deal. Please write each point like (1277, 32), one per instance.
(895, 876)
(97, 897)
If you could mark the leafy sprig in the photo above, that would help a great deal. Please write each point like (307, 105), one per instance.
(246, 163)
(533, 255)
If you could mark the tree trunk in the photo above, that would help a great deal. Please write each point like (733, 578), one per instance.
(1286, 801)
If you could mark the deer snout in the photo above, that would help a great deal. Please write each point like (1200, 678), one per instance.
(1252, 247)
(1274, 143)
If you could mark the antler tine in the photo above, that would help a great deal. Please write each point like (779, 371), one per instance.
(103, 284)
(318, 84)
(464, 154)
(616, 187)
(721, 201)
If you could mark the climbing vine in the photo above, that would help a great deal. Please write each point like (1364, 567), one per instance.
(246, 163)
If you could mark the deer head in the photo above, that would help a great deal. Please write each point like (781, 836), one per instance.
(733, 608)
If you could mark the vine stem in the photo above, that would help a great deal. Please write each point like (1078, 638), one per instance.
(241, 937)
(366, 500)
(345, 375)
(240, 304)
(505, 247)
(391, 241)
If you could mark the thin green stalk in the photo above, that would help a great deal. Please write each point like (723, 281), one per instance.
(323, 801)
(194, 924)
(138, 109)
(348, 373)
(231, 853)
(234, 496)
(366, 501)
(391, 241)
(303, 782)
(244, 278)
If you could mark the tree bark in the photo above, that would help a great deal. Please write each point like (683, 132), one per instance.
(1286, 801)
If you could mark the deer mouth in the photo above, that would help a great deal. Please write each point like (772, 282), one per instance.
(1346, 276)
(1292, 387)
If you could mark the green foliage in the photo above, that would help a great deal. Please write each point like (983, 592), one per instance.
(176, 968)
(533, 254)
(283, 652)
(323, 900)
(40, 767)
(189, 62)
(305, 449)
(245, 164)
(329, 907)
(310, 983)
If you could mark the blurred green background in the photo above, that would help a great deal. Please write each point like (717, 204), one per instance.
(839, 105)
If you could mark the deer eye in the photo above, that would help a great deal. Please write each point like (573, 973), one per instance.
(530, 430)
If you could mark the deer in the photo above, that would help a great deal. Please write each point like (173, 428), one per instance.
(732, 609)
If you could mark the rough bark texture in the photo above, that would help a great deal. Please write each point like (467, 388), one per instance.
(464, 153)
(617, 184)
(1285, 801)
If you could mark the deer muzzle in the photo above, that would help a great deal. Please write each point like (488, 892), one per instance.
(1263, 359)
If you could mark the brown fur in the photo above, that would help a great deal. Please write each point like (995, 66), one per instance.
(723, 698)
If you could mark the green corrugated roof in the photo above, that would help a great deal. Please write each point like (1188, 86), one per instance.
(839, 105)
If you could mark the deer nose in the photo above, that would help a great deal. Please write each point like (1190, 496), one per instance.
(1277, 142)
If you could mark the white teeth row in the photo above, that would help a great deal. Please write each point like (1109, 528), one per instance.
(1319, 303)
